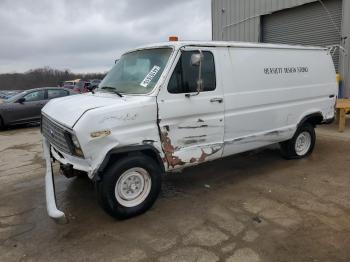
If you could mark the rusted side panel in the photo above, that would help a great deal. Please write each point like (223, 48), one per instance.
(181, 157)
(192, 127)
(169, 151)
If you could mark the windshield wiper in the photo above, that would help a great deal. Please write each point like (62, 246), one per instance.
(112, 89)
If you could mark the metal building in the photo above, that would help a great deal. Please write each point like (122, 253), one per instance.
(305, 22)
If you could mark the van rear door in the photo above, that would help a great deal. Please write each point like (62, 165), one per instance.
(191, 124)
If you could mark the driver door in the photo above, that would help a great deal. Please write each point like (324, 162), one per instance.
(191, 124)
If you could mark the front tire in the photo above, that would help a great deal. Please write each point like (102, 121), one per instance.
(302, 143)
(130, 186)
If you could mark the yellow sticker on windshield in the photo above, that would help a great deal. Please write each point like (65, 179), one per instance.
(145, 82)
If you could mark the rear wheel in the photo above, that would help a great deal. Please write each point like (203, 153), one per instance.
(302, 143)
(130, 186)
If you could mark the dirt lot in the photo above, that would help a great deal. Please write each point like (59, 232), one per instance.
(251, 207)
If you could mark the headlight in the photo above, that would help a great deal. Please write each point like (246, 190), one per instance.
(75, 141)
(77, 148)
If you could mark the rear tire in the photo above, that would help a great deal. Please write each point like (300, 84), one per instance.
(130, 186)
(302, 143)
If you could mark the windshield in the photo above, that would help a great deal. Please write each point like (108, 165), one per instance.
(136, 72)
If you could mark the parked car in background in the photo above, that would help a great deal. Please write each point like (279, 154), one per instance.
(70, 84)
(83, 86)
(94, 83)
(26, 107)
(5, 94)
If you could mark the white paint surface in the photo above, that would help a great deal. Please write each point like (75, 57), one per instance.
(264, 97)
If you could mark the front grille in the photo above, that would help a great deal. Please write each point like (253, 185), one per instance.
(55, 134)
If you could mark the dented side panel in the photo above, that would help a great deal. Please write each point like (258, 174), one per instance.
(191, 128)
(131, 121)
(181, 155)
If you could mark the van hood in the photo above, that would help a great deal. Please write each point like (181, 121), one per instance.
(67, 110)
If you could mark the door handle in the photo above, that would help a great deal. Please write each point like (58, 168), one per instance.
(217, 100)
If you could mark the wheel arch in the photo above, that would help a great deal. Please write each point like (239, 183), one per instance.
(118, 153)
(315, 118)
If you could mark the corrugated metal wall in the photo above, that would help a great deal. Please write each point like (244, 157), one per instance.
(305, 25)
(240, 19)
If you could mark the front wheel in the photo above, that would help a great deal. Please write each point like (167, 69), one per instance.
(301, 145)
(130, 186)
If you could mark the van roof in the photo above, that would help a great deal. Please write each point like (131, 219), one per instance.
(179, 44)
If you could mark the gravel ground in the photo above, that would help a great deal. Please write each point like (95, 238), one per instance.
(250, 207)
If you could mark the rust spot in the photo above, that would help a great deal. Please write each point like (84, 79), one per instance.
(169, 150)
(174, 161)
(205, 155)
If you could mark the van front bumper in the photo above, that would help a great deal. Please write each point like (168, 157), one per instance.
(51, 206)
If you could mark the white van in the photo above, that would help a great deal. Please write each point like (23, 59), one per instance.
(172, 105)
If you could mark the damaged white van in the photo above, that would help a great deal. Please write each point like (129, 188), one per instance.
(168, 106)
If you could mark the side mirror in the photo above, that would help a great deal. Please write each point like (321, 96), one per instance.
(197, 60)
(21, 100)
(116, 61)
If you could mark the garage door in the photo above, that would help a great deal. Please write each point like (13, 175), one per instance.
(309, 24)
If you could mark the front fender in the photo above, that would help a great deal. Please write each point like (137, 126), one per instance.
(147, 149)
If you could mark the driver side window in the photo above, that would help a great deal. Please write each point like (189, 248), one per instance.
(185, 76)
(35, 96)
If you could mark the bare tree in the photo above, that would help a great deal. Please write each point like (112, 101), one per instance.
(41, 77)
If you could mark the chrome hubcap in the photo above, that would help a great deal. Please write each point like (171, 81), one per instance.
(133, 187)
(303, 143)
